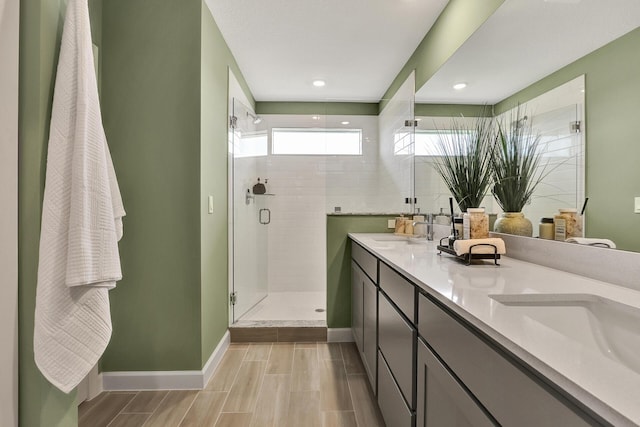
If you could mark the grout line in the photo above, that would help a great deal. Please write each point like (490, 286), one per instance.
(188, 409)
(158, 406)
(353, 401)
(120, 412)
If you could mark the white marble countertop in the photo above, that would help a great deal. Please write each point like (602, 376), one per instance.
(552, 340)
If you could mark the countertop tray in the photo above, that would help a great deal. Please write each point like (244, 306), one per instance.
(470, 256)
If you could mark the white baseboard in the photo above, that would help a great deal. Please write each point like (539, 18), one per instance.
(215, 359)
(167, 380)
(339, 335)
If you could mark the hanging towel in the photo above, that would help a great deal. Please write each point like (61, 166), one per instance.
(81, 219)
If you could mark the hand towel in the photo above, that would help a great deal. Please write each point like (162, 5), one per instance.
(462, 246)
(81, 219)
(603, 243)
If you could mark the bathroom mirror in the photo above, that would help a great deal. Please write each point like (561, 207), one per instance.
(512, 59)
(556, 116)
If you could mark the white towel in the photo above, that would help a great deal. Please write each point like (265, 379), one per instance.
(603, 243)
(462, 246)
(81, 219)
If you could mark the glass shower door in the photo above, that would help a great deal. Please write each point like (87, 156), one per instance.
(251, 214)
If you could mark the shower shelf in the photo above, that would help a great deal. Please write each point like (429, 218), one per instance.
(249, 196)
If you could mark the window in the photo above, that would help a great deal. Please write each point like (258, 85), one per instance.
(325, 142)
(427, 140)
(250, 144)
(402, 143)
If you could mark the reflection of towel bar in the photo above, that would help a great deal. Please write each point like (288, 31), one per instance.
(600, 245)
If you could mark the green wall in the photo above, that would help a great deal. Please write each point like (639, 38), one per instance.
(457, 22)
(339, 261)
(612, 149)
(165, 88)
(216, 61)
(324, 108)
(452, 110)
(40, 403)
(151, 113)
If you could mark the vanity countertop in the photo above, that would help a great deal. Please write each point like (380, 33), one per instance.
(553, 340)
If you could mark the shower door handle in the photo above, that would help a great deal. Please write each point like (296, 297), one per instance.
(268, 216)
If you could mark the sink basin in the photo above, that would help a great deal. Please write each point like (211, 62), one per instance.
(610, 327)
(390, 238)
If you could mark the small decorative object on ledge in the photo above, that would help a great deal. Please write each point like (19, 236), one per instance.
(259, 188)
(514, 223)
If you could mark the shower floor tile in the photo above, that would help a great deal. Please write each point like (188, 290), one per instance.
(289, 306)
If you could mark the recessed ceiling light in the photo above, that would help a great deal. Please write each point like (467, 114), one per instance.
(459, 86)
(345, 123)
(319, 83)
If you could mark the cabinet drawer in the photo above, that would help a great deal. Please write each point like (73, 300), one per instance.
(357, 279)
(396, 339)
(370, 330)
(365, 260)
(392, 405)
(442, 401)
(400, 291)
(512, 396)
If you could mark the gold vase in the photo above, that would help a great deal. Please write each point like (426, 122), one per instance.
(513, 223)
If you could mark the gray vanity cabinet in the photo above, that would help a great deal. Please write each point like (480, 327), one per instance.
(512, 395)
(396, 342)
(430, 368)
(441, 400)
(357, 315)
(364, 309)
(370, 330)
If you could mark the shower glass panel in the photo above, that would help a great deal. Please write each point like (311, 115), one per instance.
(251, 214)
(562, 147)
(396, 181)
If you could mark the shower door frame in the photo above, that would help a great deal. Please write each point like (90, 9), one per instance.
(239, 113)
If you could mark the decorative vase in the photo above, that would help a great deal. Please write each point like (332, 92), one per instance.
(513, 223)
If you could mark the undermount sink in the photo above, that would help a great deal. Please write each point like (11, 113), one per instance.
(390, 238)
(608, 326)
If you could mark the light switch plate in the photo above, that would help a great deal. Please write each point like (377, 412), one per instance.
(637, 205)
(391, 223)
(210, 204)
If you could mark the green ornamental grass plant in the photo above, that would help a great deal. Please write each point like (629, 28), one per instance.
(463, 160)
(516, 162)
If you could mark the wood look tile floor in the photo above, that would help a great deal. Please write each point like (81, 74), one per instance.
(255, 385)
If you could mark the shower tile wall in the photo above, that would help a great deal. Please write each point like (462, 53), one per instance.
(306, 188)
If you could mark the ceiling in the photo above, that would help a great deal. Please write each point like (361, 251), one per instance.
(357, 46)
(524, 41)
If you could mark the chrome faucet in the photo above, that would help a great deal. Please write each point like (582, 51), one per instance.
(429, 224)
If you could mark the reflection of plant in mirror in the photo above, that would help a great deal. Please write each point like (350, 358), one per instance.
(463, 160)
(516, 162)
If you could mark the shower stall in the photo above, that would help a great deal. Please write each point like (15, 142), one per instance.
(278, 270)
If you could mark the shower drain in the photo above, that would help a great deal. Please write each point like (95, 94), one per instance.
(319, 310)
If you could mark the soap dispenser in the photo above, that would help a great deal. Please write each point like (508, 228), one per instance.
(259, 188)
